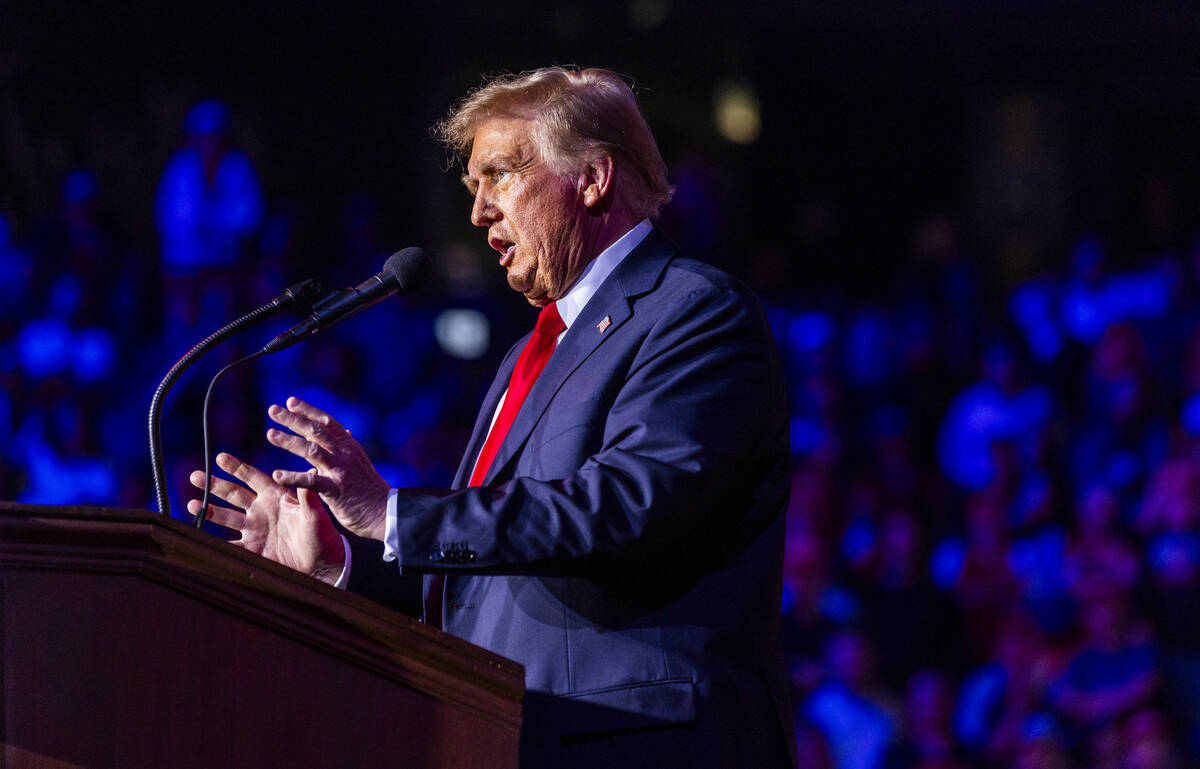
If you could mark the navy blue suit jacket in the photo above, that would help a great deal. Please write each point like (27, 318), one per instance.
(627, 545)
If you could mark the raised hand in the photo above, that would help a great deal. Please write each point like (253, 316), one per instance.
(345, 478)
(288, 526)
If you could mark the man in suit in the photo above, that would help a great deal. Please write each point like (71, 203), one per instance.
(616, 525)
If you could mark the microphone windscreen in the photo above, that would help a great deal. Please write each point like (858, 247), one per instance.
(411, 269)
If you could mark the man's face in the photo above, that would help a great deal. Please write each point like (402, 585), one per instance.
(536, 218)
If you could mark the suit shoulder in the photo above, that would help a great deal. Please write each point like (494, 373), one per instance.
(658, 275)
(686, 275)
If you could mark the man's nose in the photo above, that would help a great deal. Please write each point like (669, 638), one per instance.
(483, 212)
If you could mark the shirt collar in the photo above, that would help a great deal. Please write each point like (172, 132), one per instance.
(573, 302)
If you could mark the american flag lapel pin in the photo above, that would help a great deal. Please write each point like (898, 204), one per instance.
(603, 325)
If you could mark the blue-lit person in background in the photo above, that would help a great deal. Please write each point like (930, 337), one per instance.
(207, 206)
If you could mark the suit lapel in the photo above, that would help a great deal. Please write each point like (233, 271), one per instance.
(637, 274)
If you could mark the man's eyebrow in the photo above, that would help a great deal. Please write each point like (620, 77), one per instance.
(486, 167)
(489, 164)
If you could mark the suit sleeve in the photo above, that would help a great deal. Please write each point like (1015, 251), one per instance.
(697, 416)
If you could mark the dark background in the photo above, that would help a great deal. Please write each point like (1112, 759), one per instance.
(880, 106)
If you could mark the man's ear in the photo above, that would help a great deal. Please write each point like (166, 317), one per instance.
(597, 183)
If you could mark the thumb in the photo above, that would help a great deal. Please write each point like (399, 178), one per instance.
(330, 554)
(310, 501)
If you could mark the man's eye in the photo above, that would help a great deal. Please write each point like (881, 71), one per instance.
(500, 174)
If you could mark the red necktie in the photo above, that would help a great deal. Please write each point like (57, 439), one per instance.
(533, 359)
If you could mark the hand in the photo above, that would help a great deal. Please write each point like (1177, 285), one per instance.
(289, 527)
(345, 478)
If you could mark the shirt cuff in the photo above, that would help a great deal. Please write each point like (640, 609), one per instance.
(344, 579)
(391, 538)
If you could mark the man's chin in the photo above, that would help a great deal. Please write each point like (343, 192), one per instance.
(536, 296)
(526, 287)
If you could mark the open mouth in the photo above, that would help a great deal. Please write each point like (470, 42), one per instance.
(505, 247)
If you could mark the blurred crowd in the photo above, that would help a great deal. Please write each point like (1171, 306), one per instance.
(93, 314)
(993, 549)
(993, 553)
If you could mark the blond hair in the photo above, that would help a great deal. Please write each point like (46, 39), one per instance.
(577, 115)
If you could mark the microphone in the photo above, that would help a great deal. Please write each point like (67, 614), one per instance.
(404, 272)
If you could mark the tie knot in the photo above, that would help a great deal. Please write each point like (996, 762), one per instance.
(549, 322)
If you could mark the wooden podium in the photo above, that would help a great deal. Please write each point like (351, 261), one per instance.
(130, 640)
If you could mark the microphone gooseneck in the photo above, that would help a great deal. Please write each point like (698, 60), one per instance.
(202, 516)
(300, 294)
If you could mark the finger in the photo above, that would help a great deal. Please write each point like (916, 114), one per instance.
(238, 496)
(230, 519)
(297, 406)
(315, 430)
(246, 473)
(306, 450)
(316, 482)
(197, 478)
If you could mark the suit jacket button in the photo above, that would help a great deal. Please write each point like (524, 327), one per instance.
(437, 555)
